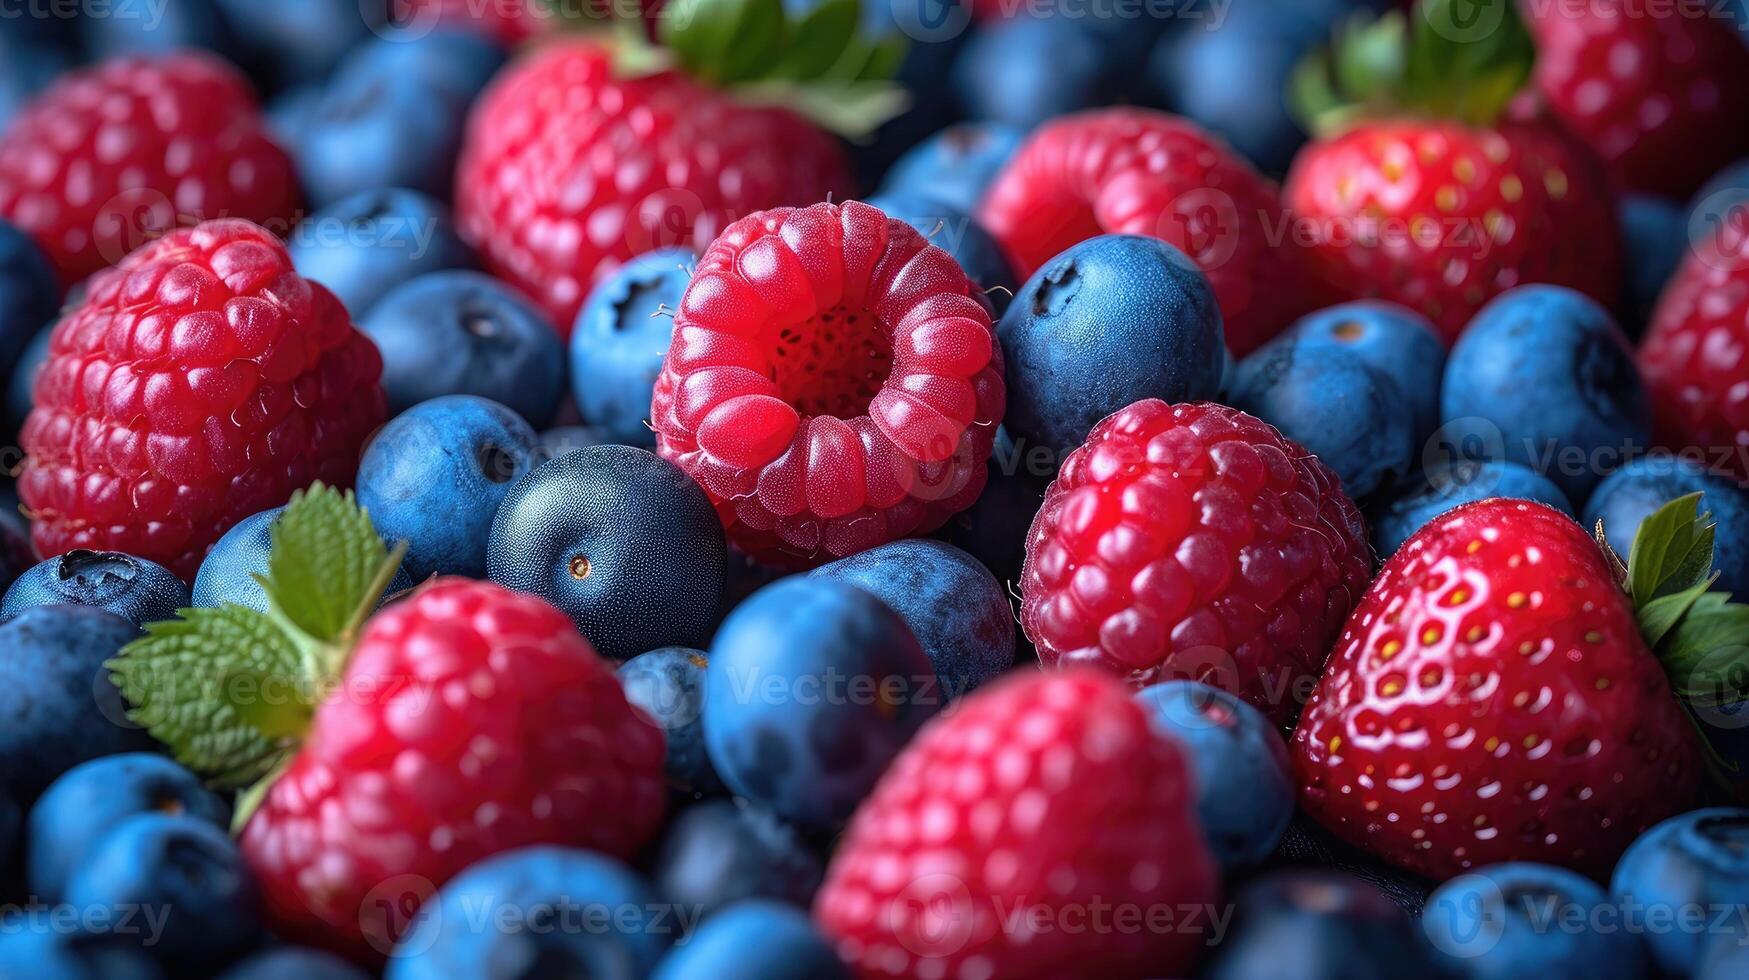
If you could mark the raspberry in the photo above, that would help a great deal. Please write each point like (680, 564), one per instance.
(1194, 541)
(834, 383)
(994, 842)
(568, 171)
(1140, 172)
(115, 154)
(202, 380)
(471, 720)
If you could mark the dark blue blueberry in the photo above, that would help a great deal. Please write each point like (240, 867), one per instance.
(754, 941)
(135, 589)
(454, 63)
(1307, 846)
(22, 382)
(814, 686)
(1318, 925)
(549, 912)
(1521, 919)
(954, 166)
(559, 440)
(1630, 495)
(56, 696)
(1394, 340)
(1244, 793)
(1336, 405)
(289, 113)
(1543, 376)
(621, 540)
(1396, 518)
(296, 43)
(953, 605)
(669, 685)
(16, 558)
(32, 944)
(723, 851)
(83, 806)
(365, 245)
(227, 575)
(29, 296)
(183, 869)
(294, 963)
(167, 26)
(1024, 70)
(466, 333)
(993, 530)
(1654, 236)
(1698, 860)
(1727, 954)
(28, 63)
(620, 338)
(955, 232)
(11, 823)
(1113, 320)
(434, 476)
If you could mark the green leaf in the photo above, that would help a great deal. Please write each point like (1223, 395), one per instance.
(326, 562)
(724, 40)
(852, 110)
(1707, 647)
(277, 706)
(179, 678)
(1672, 551)
(817, 40)
(1658, 617)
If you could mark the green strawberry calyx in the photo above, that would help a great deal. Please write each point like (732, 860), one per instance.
(231, 690)
(1462, 60)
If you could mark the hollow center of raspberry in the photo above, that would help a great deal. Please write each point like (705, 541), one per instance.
(834, 364)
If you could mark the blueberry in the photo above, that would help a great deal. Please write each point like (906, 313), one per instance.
(294, 963)
(465, 333)
(435, 475)
(1308, 846)
(993, 530)
(754, 940)
(1313, 925)
(227, 574)
(669, 685)
(953, 605)
(619, 539)
(288, 117)
(186, 870)
(1244, 793)
(1654, 234)
(1022, 71)
(28, 63)
(29, 296)
(619, 341)
(1351, 416)
(289, 44)
(135, 589)
(176, 25)
(1111, 321)
(56, 695)
(1439, 488)
(364, 245)
(33, 945)
(954, 231)
(22, 381)
(455, 63)
(16, 558)
(1727, 955)
(11, 822)
(723, 851)
(1527, 920)
(1543, 376)
(955, 165)
(551, 911)
(83, 806)
(1394, 340)
(814, 686)
(1695, 861)
(1630, 495)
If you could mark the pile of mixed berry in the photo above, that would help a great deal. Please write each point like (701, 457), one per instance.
(826, 489)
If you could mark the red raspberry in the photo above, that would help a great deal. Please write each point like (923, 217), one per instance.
(471, 720)
(1194, 541)
(202, 380)
(113, 155)
(1011, 828)
(834, 383)
(568, 171)
(1141, 172)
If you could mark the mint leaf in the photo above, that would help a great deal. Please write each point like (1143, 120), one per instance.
(177, 677)
(278, 707)
(328, 567)
(1672, 551)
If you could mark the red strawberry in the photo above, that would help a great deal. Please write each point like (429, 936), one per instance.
(834, 383)
(1661, 92)
(1141, 172)
(118, 153)
(1434, 203)
(1017, 834)
(1493, 700)
(1194, 541)
(471, 719)
(200, 381)
(569, 169)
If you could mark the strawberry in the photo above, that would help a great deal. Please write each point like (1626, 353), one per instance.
(1017, 835)
(1497, 697)
(1659, 90)
(1420, 194)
